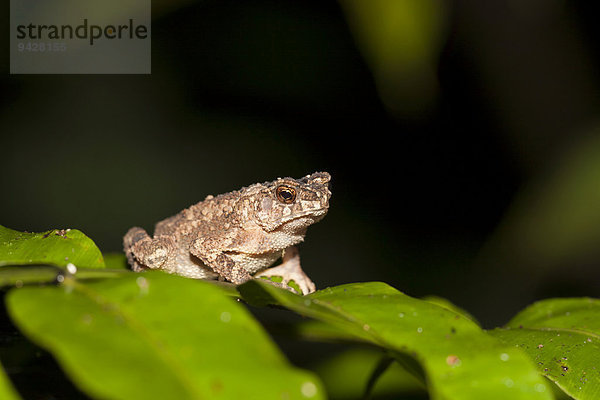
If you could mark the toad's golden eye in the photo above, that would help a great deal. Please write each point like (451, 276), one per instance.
(286, 194)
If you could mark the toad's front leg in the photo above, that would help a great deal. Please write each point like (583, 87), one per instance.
(290, 270)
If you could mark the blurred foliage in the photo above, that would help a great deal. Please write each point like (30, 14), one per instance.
(555, 220)
(7, 392)
(401, 41)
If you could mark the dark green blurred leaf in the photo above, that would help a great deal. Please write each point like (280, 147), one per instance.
(401, 42)
(19, 275)
(556, 218)
(460, 360)
(346, 374)
(7, 392)
(57, 247)
(563, 337)
(380, 368)
(157, 336)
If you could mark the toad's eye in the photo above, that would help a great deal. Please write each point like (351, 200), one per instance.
(286, 194)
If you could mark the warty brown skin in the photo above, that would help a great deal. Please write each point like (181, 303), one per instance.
(236, 235)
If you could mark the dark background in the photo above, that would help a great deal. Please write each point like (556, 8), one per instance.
(461, 136)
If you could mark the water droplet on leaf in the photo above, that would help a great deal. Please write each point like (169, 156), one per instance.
(225, 316)
(308, 389)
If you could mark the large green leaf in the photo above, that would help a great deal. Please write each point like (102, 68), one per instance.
(7, 392)
(157, 336)
(563, 337)
(460, 360)
(57, 247)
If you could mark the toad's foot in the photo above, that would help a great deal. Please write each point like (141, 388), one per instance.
(290, 270)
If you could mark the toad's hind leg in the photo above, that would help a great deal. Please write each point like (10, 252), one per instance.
(143, 252)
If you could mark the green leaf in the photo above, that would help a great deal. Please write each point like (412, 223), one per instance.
(157, 336)
(563, 337)
(460, 360)
(7, 391)
(57, 247)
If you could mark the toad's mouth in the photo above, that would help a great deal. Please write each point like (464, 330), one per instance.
(312, 214)
(300, 221)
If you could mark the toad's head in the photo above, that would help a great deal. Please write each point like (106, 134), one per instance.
(289, 205)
